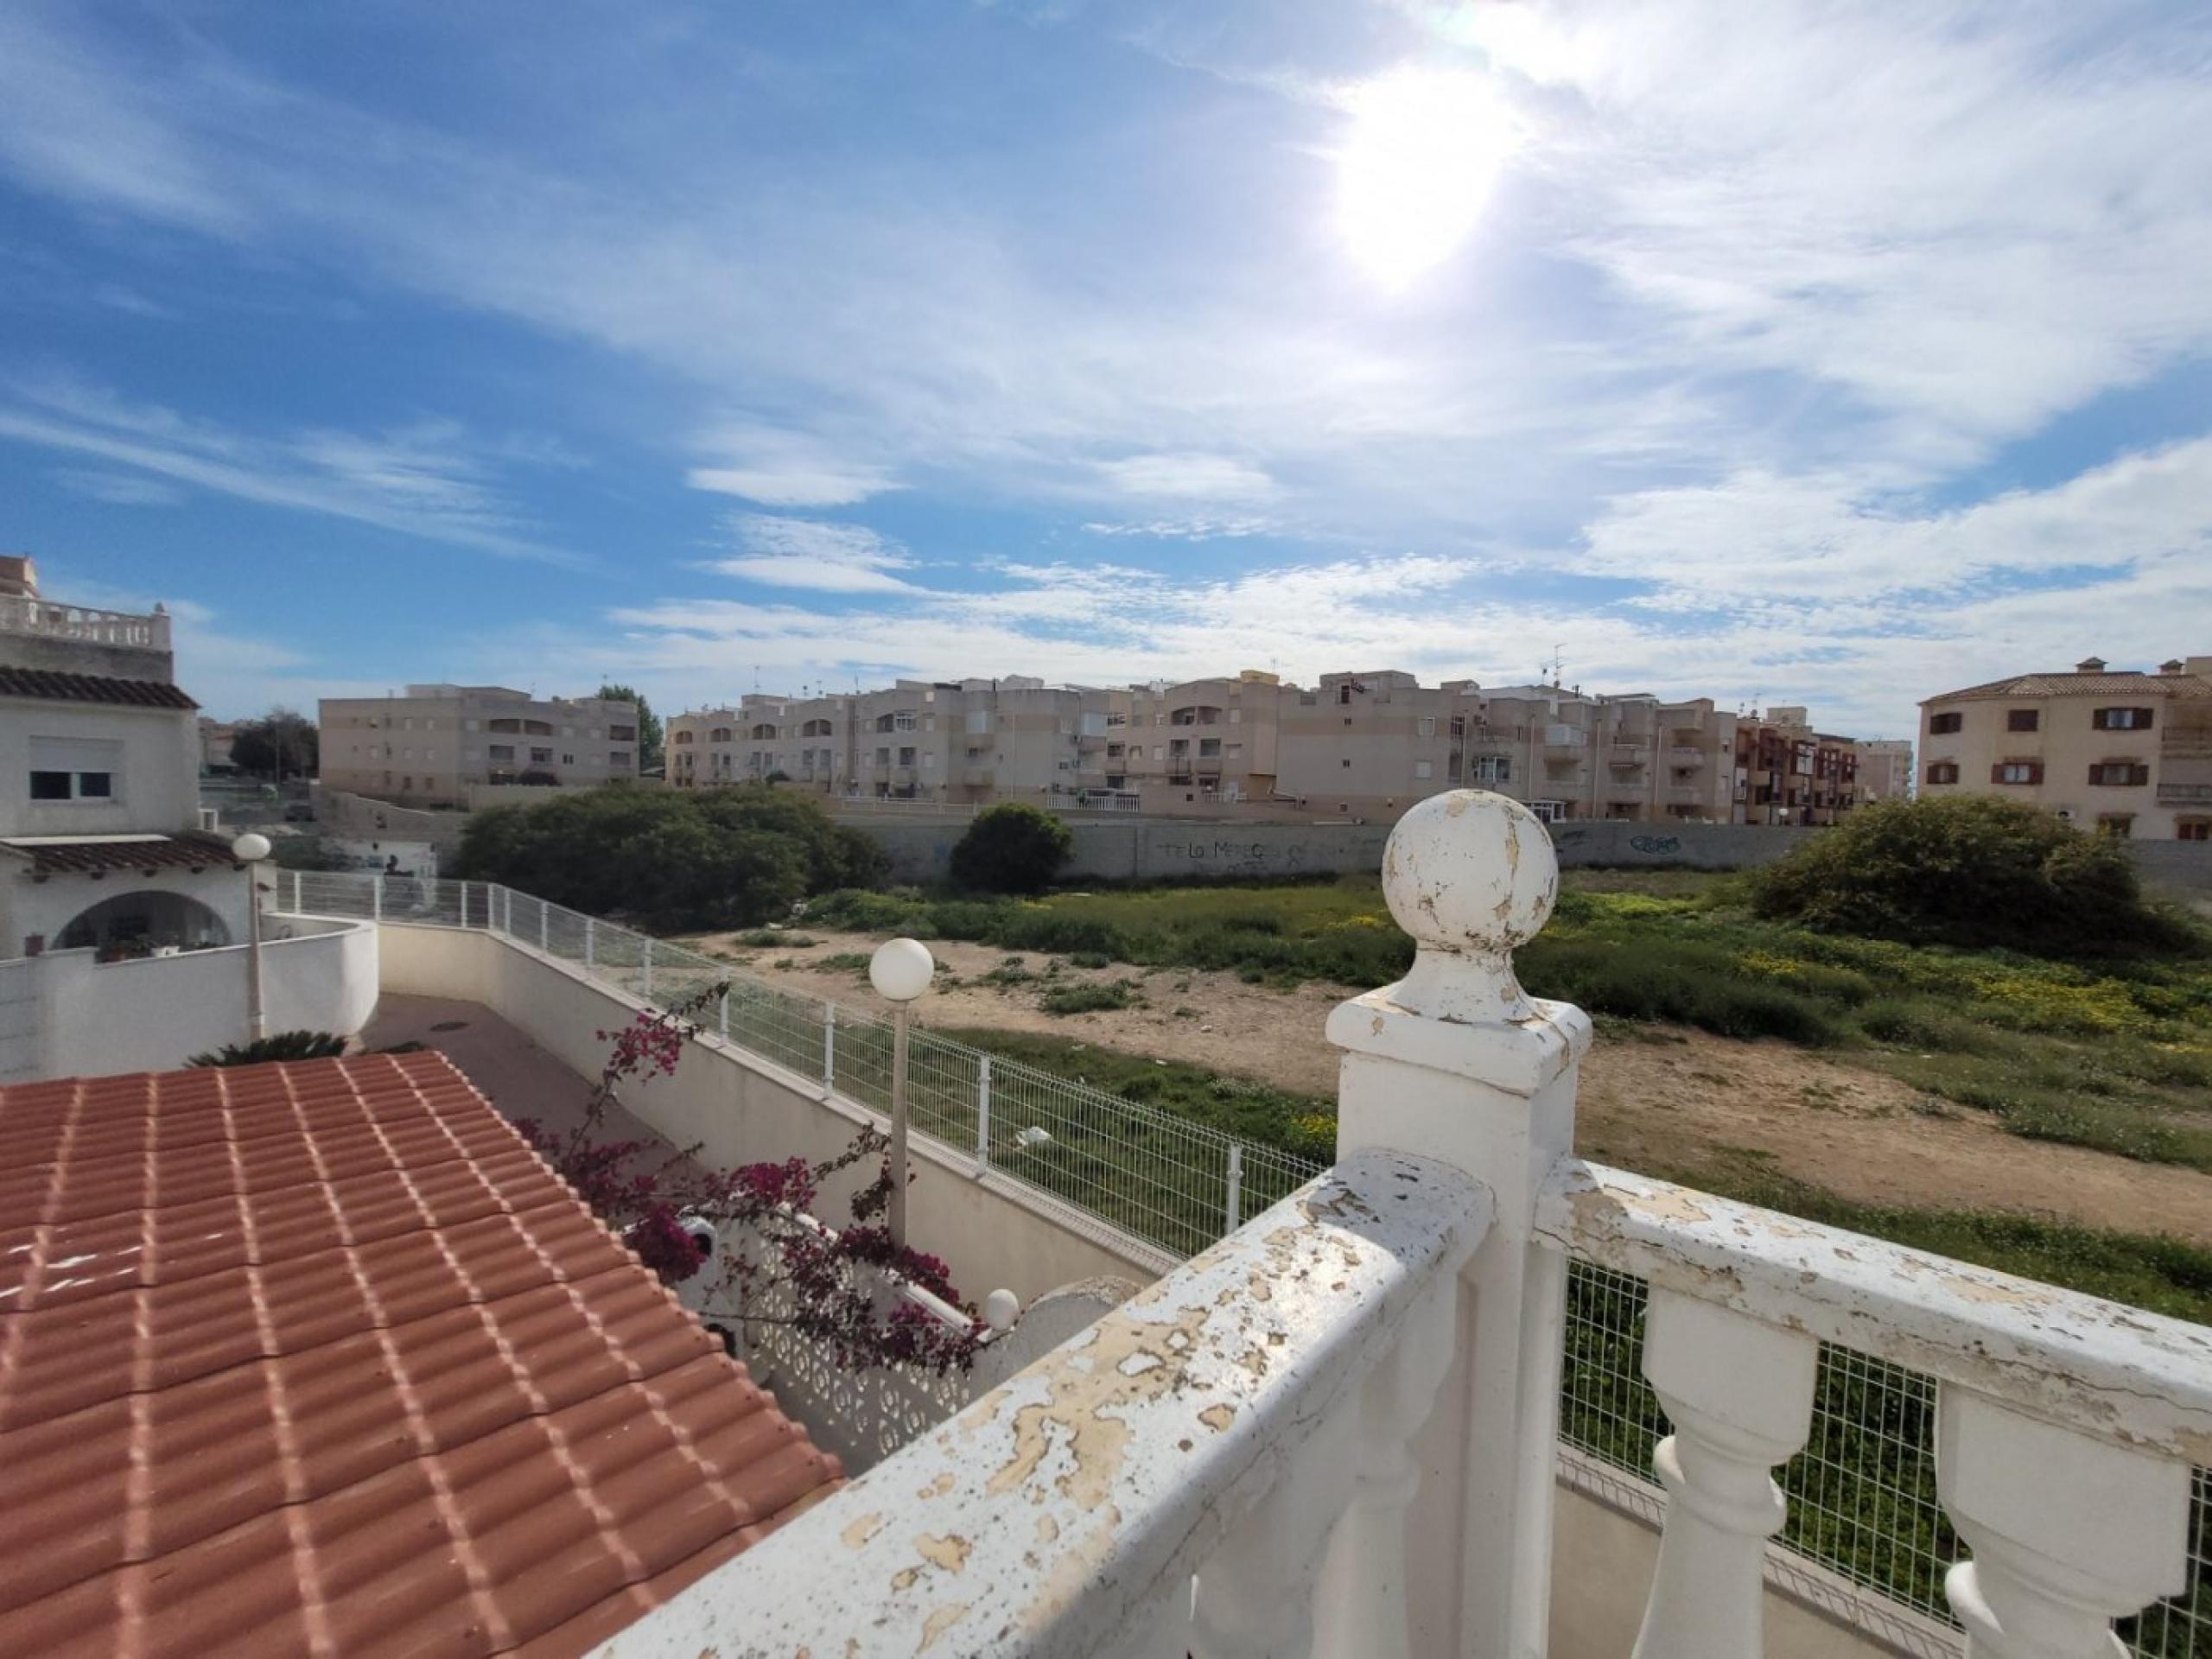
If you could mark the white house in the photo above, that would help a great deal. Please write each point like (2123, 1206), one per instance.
(103, 864)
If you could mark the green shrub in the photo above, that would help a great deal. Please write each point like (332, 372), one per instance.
(282, 1045)
(1971, 871)
(671, 857)
(1011, 848)
(1093, 998)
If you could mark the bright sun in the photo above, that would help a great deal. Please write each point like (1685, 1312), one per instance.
(1424, 150)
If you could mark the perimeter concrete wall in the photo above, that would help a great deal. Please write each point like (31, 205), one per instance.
(1166, 849)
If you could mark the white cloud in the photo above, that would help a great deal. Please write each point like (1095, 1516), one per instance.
(1188, 477)
(118, 489)
(829, 558)
(426, 480)
(779, 469)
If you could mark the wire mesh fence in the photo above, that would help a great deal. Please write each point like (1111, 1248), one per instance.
(1863, 1500)
(1862, 1493)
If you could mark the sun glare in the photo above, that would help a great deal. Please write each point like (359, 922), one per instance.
(1424, 150)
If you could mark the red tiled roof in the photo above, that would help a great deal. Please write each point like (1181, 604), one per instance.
(91, 687)
(2071, 684)
(320, 1356)
(193, 852)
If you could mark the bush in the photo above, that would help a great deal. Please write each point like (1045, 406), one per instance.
(282, 1046)
(1088, 998)
(1973, 871)
(721, 858)
(1011, 848)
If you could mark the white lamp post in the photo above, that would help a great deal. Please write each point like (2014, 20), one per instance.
(900, 971)
(249, 849)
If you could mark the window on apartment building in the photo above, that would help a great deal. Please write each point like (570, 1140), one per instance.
(2193, 828)
(542, 757)
(1493, 768)
(2120, 720)
(621, 733)
(537, 728)
(1159, 752)
(681, 739)
(1548, 811)
(720, 734)
(1427, 725)
(1458, 725)
(2120, 775)
(1345, 763)
(906, 757)
(571, 759)
(1117, 720)
(2017, 771)
(1343, 693)
(618, 757)
(1424, 769)
(1943, 771)
(505, 725)
(2119, 826)
(902, 722)
(2023, 720)
(502, 751)
(1939, 724)
(1114, 750)
(1236, 716)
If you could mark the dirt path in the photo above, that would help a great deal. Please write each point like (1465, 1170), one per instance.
(1658, 1097)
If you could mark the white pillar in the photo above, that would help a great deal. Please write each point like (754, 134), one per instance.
(1739, 1394)
(828, 1044)
(1456, 1063)
(983, 1110)
(2068, 1531)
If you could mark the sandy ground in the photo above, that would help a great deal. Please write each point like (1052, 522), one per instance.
(1677, 1099)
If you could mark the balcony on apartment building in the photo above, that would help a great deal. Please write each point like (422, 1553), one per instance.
(977, 776)
(1684, 755)
(1627, 757)
(2185, 794)
(83, 624)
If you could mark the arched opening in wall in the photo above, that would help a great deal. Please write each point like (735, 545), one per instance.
(148, 920)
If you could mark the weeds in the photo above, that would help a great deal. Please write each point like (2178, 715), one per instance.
(1095, 997)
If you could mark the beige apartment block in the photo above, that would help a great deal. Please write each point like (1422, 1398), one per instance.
(427, 747)
(1884, 769)
(1197, 746)
(2122, 751)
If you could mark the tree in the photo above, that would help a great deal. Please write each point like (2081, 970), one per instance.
(674, 858)
(1011, 848)
(649, 732)
(281, 744)
(1973, 871)
(764, 1214)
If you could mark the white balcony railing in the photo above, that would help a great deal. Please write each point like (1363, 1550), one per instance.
(1334, 1432)
(82, 623)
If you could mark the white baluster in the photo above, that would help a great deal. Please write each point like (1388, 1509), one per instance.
(1739, 1394)
(1360, 1602)
(2068, 1531)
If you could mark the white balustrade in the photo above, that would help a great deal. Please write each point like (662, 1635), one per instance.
(2069, 1531)
(1739, 1394)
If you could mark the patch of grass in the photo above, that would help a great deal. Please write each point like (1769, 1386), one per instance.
(770, 939)
(2115, 1054)
(841, 962)
(1095, 997)
(1302, 1124)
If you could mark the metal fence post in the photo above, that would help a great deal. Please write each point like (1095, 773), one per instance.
(544, 911)
(646, 956)
(983, 1110)
(297, 907)
(1236, 1187)
(591, 930)
(828, 1044)
(464, 904)
(375, 892)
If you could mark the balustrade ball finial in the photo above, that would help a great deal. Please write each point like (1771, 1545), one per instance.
(1470, 875)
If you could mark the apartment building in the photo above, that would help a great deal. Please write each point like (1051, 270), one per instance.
(427, 747)
(1194, 746)
(1885, 768)
(2121, 750)
(1791, 773)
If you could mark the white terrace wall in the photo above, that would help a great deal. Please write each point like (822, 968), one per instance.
(991, 1231)
(152, 1014)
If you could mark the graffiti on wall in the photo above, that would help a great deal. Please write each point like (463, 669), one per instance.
(1659, 845)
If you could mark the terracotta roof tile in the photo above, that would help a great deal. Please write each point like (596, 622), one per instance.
(91, 687)
(2070, 684)
(192, 852)
(321, 1354)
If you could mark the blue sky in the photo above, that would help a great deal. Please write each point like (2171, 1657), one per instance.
(1803, 353)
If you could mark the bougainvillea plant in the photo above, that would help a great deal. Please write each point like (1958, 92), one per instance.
(830, 1285)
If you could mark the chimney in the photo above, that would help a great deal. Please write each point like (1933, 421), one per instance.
(2090, 665)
